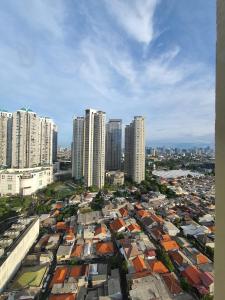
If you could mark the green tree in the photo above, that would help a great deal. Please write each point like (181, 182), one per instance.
(184, 284)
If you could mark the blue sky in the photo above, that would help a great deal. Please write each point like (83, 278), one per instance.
(130, 57)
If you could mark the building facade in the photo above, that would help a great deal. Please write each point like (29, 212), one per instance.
(54, 143)
(88, 148)
(113, 144)
(15, 251)
(135, 149)
(26, 140)
(5, 138)
(24, 181)
(78, 148)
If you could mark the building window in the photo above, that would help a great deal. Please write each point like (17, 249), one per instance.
(9, 187)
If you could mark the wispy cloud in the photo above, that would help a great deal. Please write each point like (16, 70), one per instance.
(62, 57)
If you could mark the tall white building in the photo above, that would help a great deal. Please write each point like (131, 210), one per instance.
(5, 138)
(46, 140)
(78, 148)
(89, 148)
(135, 149)
(25, 139)
(113, 144)
(32, 139)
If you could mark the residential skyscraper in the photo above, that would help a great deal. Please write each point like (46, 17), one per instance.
(88, 159)
(46, 140)
(54, 143)
(113, 144)
(25, 139)
(135, 149)
(78, 148)
(5, 138)
(32, 139)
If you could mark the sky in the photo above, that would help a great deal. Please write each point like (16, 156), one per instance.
(125, 57)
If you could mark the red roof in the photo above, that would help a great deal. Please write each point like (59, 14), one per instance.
(192, 274)
(100, 230)
(117, 224)
(134, 228)
(123, 211)
(104, 248)
(63, 297)
(77, 251)
(158, 267)
(172, 283)
(177, 257)
(207, 278)
(166, 237)
(78, 271)
(139, 264)
(61, 226)
(143, 213)
(59, 275)
(156, 218)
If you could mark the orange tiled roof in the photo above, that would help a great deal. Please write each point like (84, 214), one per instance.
(123, 211)
(156, 218)
(172, 283)
(192, 274)
(138, 206)
(166, 237)
(104, 248)
(134, 227)
(77, 251)
(158, 267)
(201, 259)
(169, 245)
(100, 230)
(139, 264)
(59, 275)
(143, 213)
(63, 297)
(69, 237)
(117, 224)
(78, 271)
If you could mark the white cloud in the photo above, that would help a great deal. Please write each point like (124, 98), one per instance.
(136, 17)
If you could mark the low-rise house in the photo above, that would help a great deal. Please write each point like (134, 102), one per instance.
(157, 266)
(77, 252)
(123, 212)
(101, 232)
(194, 229)
(53, 242)
(139, 264)
(104, 248)
(171, 229)
(172, 284)
(118, 225)
(134, 228)
(64, 252)
(169, 245)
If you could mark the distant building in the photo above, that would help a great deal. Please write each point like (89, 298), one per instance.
(113, 144)
(24, 181)
(5, 138)
(13, 248)
(134, 164)
(115, 177)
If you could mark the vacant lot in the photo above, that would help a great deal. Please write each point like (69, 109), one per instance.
(29, 276)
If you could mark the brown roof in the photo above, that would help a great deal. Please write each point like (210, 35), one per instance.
(131, 250)
(78, 271)
(123, 211)
(139, 264)
(77, 251)
(192, 274)
(143, 213)
(63, 297)
(177, 257)
(59, 275)
(117, 224)
(104, 248)
(61, 226)
(172, 283)
(134, 227)
(100, 230)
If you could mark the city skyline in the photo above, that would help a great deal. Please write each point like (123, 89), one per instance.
(151, 62)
